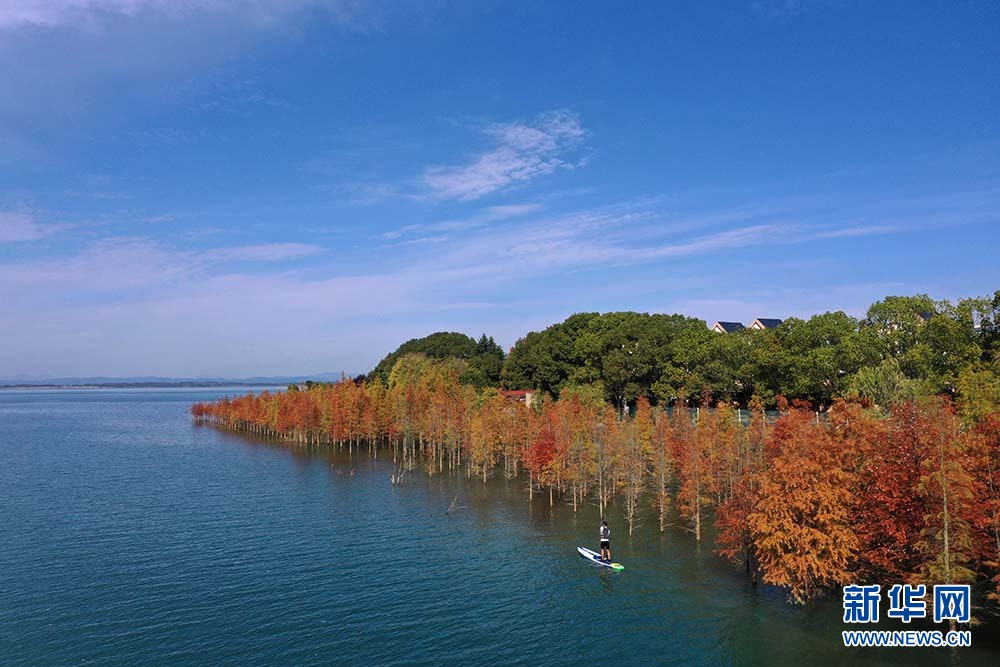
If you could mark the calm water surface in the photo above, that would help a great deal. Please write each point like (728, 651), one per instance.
(129, 536)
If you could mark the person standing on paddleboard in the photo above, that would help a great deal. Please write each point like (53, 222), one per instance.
(605, 542)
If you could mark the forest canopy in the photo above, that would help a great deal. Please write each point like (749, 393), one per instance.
(904, 346)
(483, 358)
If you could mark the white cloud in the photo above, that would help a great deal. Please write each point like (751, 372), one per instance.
(523, 152)
(21, 227)
(363, 193)
(109, 266)
(128, 306)
(121, 266)
(740, 237)
(510, 210)
(268, 252)
(484, 217)
(852, 231)
(16, 13)
(394, 234)
(488, 215)
(73, 13)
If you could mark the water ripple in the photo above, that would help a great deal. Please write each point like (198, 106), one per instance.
(134, 538)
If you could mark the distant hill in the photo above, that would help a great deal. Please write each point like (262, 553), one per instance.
(160, 381)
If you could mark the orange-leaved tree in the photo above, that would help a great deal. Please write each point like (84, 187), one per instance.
(802, 525)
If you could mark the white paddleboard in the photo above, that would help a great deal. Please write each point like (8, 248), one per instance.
(595, 557)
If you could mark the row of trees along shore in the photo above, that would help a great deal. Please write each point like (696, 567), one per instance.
(897, 481)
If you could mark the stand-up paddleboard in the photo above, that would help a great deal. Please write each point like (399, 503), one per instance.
(595, 557)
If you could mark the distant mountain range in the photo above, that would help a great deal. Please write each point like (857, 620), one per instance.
(159, 381)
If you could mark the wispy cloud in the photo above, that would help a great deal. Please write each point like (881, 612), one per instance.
(120, 266)
(71, 13)
(422, 240)
(15, 13)
(16, 227)
(486, 216)
(518, 153)
(110, 266)
(268, 252)
(363, 193)
(521, 153)
(858, 230)
(745, 304)
(740, 237)
(510, 210)
(138, 294)
(98, 194)
(648, 231)
(243, 94)
(394, 234)
(625, 234)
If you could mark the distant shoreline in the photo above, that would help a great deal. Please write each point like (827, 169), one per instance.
(140, 385)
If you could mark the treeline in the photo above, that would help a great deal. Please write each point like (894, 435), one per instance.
(904, 347)
(906, 493)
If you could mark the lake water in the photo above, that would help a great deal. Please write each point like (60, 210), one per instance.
(130, 536)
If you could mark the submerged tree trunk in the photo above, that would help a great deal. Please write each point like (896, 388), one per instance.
(663, 499)
(697, 513)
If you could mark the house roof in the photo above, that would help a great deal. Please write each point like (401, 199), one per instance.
(768, 322)
(728, 327)
(517, 393)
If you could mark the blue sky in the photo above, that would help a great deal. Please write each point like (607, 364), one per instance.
(209, 187)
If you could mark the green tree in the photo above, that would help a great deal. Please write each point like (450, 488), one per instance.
(545, 359)
(630, 352)
(883, 385)
(946, 344)
(683, 363)
(819, 354)
(984, 313)
(978, 391)
(894, 325)
(484, 357)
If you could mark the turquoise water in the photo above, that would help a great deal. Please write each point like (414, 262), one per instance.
(130, 536)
